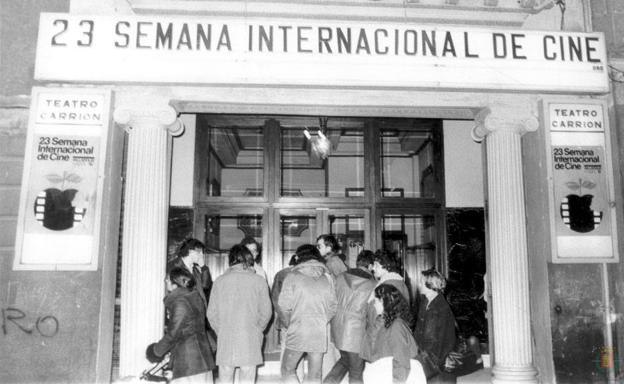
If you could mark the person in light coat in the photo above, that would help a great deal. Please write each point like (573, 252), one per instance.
(353, 288)
(239, 310)
(306, 305)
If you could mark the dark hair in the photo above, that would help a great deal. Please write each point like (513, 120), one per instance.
(330, 241)
(239, 254)
(182, 278)
(250, 240)
(434, 280)
(394, 305)
(388, 260)
(294, 260)
(365, 258)
(308, 252)
(188, 245)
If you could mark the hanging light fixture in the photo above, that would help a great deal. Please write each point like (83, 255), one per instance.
(320, 144)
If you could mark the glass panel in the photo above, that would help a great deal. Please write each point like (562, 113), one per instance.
(307, 172)
(407, 159)
(224, 231)
(350, 231)
(413, 237)
(295, 231)
(235, 159)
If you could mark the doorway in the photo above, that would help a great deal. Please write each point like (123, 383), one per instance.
(284, 180)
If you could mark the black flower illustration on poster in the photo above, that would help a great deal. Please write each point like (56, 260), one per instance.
(575, 208)
(57, 208)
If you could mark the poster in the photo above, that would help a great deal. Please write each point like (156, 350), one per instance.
(62, 184)
(580, 191)
(583, 216)
(61, 197)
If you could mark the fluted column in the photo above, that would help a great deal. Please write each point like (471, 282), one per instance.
(502, 129)
(146, 203)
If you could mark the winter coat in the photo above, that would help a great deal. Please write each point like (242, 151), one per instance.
(335, 264)
(434, 332)
(185, 335)
(352, 291)
(396, 341)
(306, 305)
(239, 309)
(276, 289)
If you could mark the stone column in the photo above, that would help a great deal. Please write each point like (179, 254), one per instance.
(502, 128)
(145, 212)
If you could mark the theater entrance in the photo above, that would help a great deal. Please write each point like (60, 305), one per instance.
(372, 182)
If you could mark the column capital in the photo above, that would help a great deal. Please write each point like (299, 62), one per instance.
(164, 116)
(503, 118)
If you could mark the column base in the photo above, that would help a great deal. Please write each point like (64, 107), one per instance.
(509, 375)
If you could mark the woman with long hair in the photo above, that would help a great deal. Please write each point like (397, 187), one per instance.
(185, 336)
(394, 346)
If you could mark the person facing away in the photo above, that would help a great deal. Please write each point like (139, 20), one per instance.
(256, 250)
(394, 339)
(276, 289)
(435, 323)
(185, 335)
(239, 309)
(328, 248)
(306, 304)
(386, 269)
(353, 288)
(190, 256)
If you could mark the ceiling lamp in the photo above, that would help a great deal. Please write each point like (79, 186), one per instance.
(321, 146)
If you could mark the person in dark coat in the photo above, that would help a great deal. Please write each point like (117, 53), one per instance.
(435, 323)
(305, 306)
(353, 288)
(185, 337)
(190, 255)
(394, 339)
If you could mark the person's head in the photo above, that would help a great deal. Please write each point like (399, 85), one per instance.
(365, 259)
(385, 262)
(192, 249)
(239, 254)
(253, 246)
(327, 244)
(432, 280)
(393, 303)
(179, 277)
(308, 252)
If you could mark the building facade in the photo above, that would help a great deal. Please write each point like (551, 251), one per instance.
(149, 121)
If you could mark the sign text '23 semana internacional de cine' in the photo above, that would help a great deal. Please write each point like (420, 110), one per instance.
(230, 50)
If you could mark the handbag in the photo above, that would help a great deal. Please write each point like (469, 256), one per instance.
(462, 360)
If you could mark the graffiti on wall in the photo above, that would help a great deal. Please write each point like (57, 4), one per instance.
(14, 319)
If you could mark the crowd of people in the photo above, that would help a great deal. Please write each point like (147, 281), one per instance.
(362, 314)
